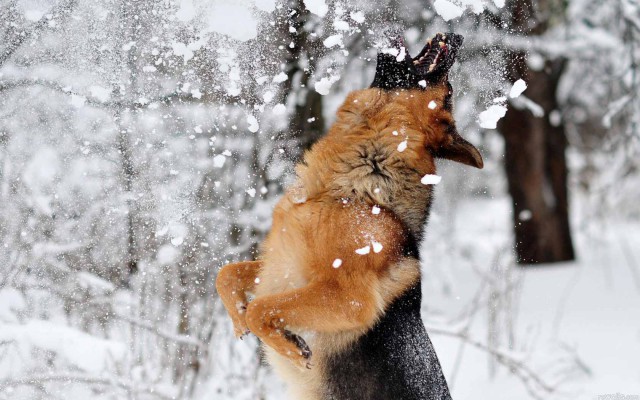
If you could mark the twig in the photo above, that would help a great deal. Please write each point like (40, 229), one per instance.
(129, 386)
(13, 45)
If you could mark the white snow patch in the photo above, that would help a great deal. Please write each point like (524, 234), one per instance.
(357, 16)
(333, 40)
(555, 118)
(325, 84)
(279, 109)
(432, 105)
(447, 10)
(375, 210)
(78, 101)
(341, 25)
(251, 192)
(265, 5)
(281, 77)
(364, 250)
(177, 241)
(377, 246)
(525, 215)
(430, 179)
(218, 161)
(100, 93)
(253, 124)
(186, 50)
(187, 11)
(268, 96)
(84, 351)
(318, 7)
(167, 254)
(423, 83)
(488, 119)
(233, 19)
(336, 263)
(518, 87)
(403, 53)
(402, 146)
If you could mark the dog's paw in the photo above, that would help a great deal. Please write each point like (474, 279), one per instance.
(302, 346)
(303, 356)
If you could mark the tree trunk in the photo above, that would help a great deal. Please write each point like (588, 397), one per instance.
(537, 169)
(535, 147)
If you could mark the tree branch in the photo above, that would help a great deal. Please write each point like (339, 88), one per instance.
(129, 386)
(17, 41)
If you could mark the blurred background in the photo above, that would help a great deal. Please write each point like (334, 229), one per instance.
(143, 144)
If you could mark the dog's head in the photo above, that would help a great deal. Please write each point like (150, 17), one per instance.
(422, 84)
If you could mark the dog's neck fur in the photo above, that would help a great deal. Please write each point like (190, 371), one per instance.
(359, 160)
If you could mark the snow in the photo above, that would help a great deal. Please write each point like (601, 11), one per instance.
(251, 192)
(281, 77)
(187, 11)
(100, 93)
(447, 10)
(318, 7)
(265, 5)
(422, 83)
(324, 85)
(402, 146)
(488, 119)
(332, 41)
(233, 19)
(78, 101)
(364, 250)
(377, 247)
(375, 210)
(219, 160)
(84, 351)
(432, 105)
(518, 87)
(357, 16)
(430, 179)
(279, 109)
(336, 263)
(268, 96)
(253, 124)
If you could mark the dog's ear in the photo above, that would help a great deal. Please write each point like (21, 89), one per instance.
(456, 148)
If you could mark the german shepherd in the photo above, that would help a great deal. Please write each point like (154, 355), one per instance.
(336, 293)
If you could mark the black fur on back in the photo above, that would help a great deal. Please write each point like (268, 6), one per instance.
(395, 360)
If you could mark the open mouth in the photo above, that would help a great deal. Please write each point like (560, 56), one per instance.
(431, 65)
(439, 51)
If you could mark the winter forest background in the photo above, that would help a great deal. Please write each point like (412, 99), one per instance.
(144, 142)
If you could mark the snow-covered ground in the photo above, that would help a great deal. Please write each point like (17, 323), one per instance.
(589, 308)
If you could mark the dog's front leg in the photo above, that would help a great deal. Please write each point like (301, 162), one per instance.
(233, 283)
(320, 307)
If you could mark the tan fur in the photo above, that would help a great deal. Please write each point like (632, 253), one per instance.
(327, 215)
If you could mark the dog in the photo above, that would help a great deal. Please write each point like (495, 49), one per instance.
(336, 289)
